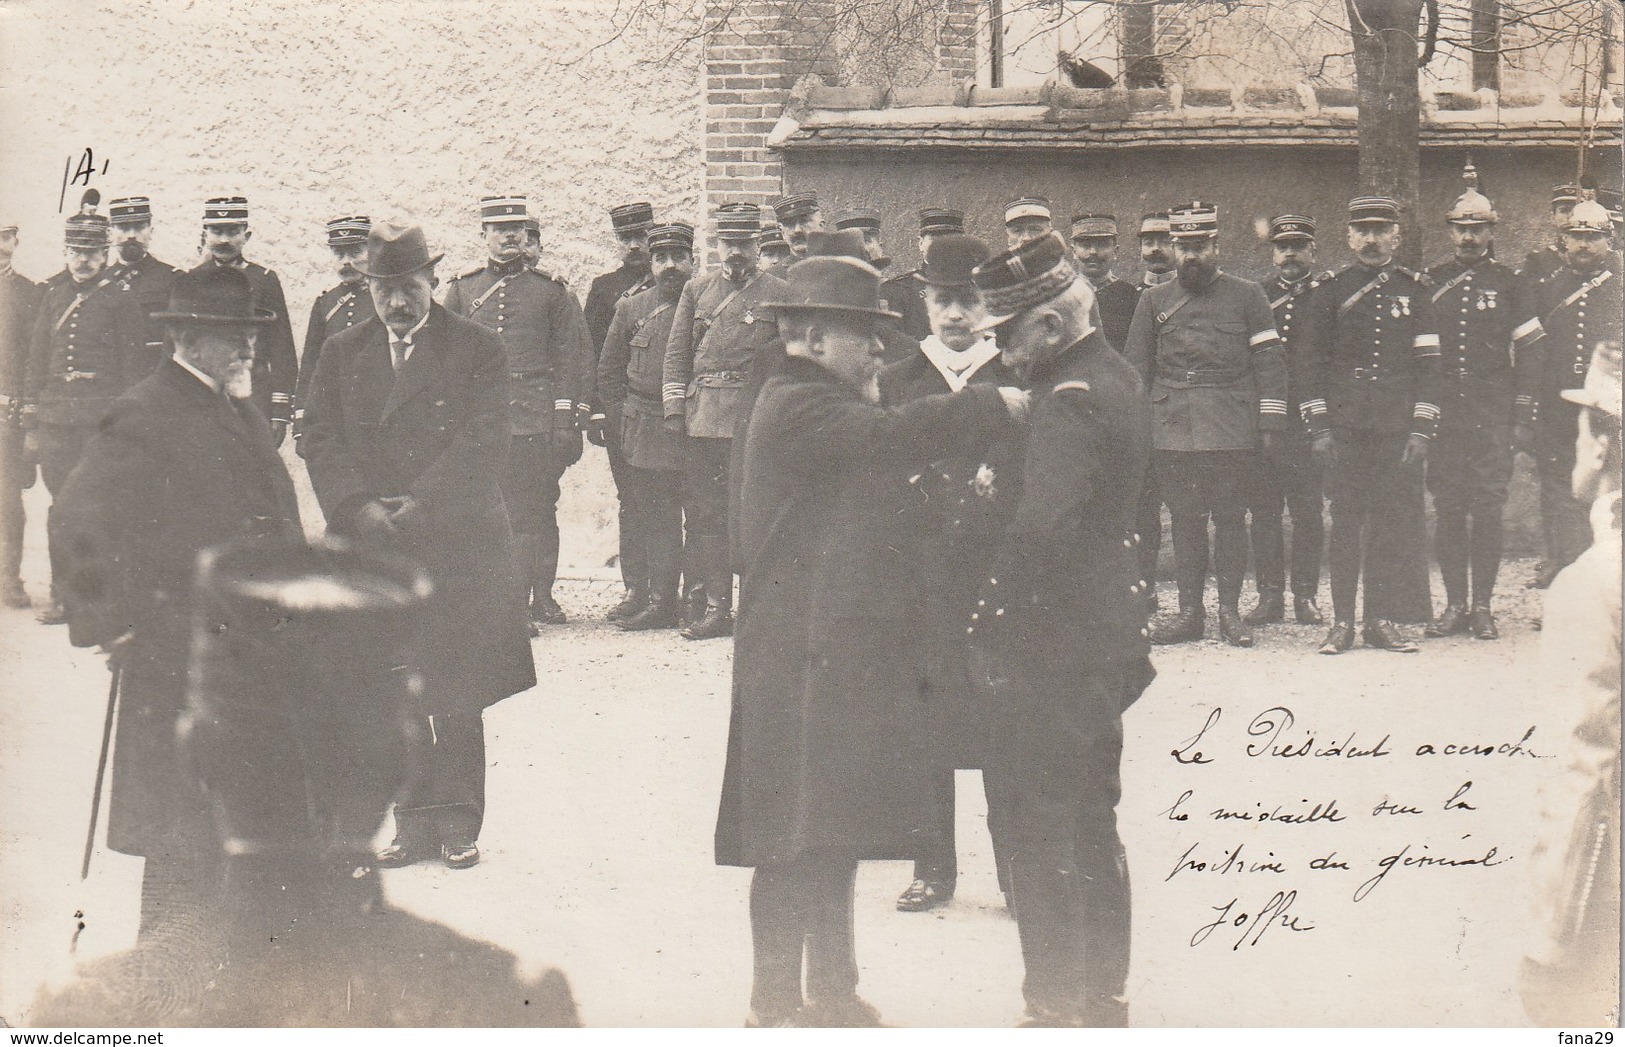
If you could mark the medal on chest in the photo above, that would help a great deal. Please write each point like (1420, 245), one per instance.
(982, 483)
(1401, 306)
(749, 317)
(1486, 300)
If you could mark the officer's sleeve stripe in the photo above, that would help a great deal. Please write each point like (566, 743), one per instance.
(1082, 387)
(1269, 405)
(1528, 331)
(564, 405)
(281, 398)
(673, 391)
(1309, 407)
(1264, 339)
(1524, 400)
(1426, 410)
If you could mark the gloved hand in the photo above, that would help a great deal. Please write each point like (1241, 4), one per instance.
(567, 444)
(595, 430)
(279, 432)
(1323, 450)
(31, 443)
(1416, 451)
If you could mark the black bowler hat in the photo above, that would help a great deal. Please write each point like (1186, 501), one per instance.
(216, 294)
(950, 259)
(395, 250)
(833, 284)
(1034, 273)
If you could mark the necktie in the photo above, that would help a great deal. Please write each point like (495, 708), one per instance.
(397, 351)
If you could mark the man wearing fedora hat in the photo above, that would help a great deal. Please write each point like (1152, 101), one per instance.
(88, 346)
(336, 309)
(1058, 636)
(826, 763)
(1579, 306)
(19, 298)
(631, 223)
(958, 507)
(407, 447)
(183, 461)
(550, 365)
(1485, 317)
(276, 367)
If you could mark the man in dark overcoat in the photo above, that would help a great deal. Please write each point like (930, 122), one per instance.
(406, 453)
(182, 461)
(1059, 639)
(19, 297)
(825, 763)
(959, 506)
(143, 277)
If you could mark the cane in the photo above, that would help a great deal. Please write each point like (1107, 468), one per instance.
(101, 771)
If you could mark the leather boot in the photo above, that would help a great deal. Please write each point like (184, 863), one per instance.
(544, 566)
(1271, 607)
(13, 595)
(634, 602)
(1187, 625)
(1451, 622)
(1339, 638)
(1385, 636)
(1307, 611)
(1481, 623)
(659, 613)
(718, 621)
(1233, 628)
(54, 613)
(693, 604)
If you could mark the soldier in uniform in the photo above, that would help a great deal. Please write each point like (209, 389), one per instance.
(905, 293)
(19, 298)
(798, 214)
(959, 508)
(631, 223)
(1157, 255)
(1156, 250)
(1579, 306)
(1480, 304)
(1290, 481)
(1545, 261)
(276, 367)
(1370, 388)
(550, 362)
(1027, 219)
(717, 331)
(629, 377)
(1058, 637)
(141, 275)
(183, 461)
(825, 765)
(1094, 246)
(87, 346)
(533, 241)
(775, 250)
(1207, 348)
(336, 309)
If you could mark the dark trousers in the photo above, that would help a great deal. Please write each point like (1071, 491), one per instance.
(1468, 472)
(1203, 485)
(1290, 484)
(445, 798)
(705, 498)
(634, 567)
(17, 471)
(652, 529)
(1565, 519)
(1148, 524)
(175, 889)
(938, 861)
(802, 908)
(1377, 525)
(1068, 871)
(530, 489)
(60, 447)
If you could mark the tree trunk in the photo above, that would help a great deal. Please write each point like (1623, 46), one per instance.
(1390, 121)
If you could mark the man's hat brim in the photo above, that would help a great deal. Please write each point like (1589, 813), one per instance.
(260, 317)
(433, 260)
(820, 307)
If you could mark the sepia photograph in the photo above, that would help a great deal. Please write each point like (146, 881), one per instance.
(654, 514)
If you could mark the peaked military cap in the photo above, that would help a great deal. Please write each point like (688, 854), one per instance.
(773, 236)
(858, 218)
(130, 210)
(1565, 193)
(738, 222)
(1155, 223)
(672, 234)
(1091, 226)
(633, 217)
(1026, 207)
(1034, 273)
(1193, 221)
(1291, 227)
(950, 259)
(842, 243)
(86, 230)
(503, 209)
(351, 230)
(795, 205)
(1366, 210)
(934, 221)
(225, 210)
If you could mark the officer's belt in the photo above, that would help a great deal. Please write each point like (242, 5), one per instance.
(1581, 291)
(474, 306)
(1213, 376)
(84, 296)
(349, 296)
(1446, 287)
(1354, 299)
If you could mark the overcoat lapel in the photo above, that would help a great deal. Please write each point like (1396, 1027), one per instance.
(422, 370)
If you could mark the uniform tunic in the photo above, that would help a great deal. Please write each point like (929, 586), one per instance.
(1117, 299)
(335, 309)
(19, 298)
(629, 377)
(148, 282)
(906, 294)
(276, 365)
(717, 331)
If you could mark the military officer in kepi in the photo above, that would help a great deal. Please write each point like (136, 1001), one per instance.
(276, 367)
(905, 293)
(1370, 385)
(718, 329)
(1058, 637)
(959, 507)
(550, 365)
(1207, 347)
(140, 275)
(775, 251)
(1290, 481)
(629, 376)
(1157, 255)
(798, 214)
(1485, 316)
(88, 345)
(336, 309)
(1156, 250)
(631, 224)
(1094, 245)
(1579, 306)
(1026, 219)
(1545, 261)
(19, 298)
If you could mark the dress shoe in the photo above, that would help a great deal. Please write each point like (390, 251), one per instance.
(923, 895)
(1271, 607)
(1385, 636)
(1307, 611)
(718, 621)
(634, 601)
(53, 614)
(1185, 626)
(660, 613)
(544, 610)
(1481, 623)
(1339, 638)
(1233, 628)
(694, 605)
(460, 854)
(847, 1012)
(754, 1020)
(1451, 622)
(1044, 1018)
(13, 595)
(401, 851)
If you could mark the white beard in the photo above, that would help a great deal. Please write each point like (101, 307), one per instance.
(239, 384)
